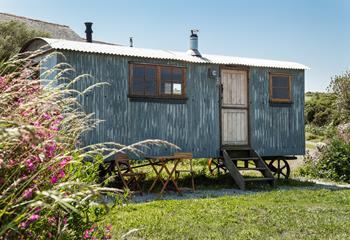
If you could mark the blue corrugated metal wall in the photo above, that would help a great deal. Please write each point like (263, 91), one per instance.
(193, 125)
(276, 129)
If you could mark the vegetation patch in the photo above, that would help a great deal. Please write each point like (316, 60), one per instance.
(289, 214)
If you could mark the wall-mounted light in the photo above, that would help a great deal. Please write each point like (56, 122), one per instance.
(212, 73)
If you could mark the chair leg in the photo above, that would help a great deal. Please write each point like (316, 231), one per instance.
(177, 175)
(138, 185)
(193, 187)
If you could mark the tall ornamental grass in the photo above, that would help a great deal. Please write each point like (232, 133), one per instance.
(48, 182)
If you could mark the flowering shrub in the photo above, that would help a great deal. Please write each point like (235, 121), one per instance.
(48, 189)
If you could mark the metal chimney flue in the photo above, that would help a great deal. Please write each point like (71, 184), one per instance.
(193, 51)
(88, 31)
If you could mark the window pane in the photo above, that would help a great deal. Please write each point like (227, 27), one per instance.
(138, 72)
(177, 89)
(280, 81)
(165, 74)
(280, 93)
(166, 88)
(151, 73)
(150, 81)
(177, 75)
(138, 86)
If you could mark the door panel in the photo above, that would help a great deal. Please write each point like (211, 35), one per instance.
(234, 112)
(234, 88)
(235, 126)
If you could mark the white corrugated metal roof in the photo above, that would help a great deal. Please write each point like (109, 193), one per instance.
(60, 44)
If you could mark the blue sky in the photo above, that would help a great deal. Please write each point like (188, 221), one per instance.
(315, 33)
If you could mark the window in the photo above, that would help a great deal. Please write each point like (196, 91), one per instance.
(280, 88)
(171, 81)
(156, 81)
(144, 80)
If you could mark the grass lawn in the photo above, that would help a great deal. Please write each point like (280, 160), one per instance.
(278, 214)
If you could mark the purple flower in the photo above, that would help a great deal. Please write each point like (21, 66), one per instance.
(28, 193)
(54, 179)
(50, 149)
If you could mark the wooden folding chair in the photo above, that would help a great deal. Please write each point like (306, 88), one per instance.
(186, 156)
(125, 172)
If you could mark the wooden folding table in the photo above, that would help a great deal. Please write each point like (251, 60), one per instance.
(160, 162)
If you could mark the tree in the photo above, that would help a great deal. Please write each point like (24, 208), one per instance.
(13, 35)
(340, 85)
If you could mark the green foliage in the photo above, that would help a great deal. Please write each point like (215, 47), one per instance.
(334, 162)
(340, 86)
(320, 109)
(13, 35)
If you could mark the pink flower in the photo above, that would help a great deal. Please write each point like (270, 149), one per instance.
(109, 227)
(54, 128)
(2, 81)
(11, 163)
(23, 225)
(86, 234)
(28, 193)
(34, 217)
(30, 165)
(37, 124)
(61, 174)
(65, 220)
(25, 113)
(50, 149)
(65, 161)
(46, 116)
(54, 179)
(52, 220)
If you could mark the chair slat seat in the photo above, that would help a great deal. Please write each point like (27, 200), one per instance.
(126, 173)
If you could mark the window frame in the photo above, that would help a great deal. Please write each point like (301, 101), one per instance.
(280, 100)
(158, 93)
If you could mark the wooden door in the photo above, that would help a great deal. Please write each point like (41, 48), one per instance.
(234, 107)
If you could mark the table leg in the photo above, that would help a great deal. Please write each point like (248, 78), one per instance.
(170, 178)
(158, 177)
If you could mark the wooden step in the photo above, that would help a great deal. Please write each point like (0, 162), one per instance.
(231, 159)
(248, 168)
(258, 179)
(244, 158)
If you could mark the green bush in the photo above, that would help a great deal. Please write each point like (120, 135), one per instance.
(340, 86)
(320, 109)
(334, 162)
(13, 35)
